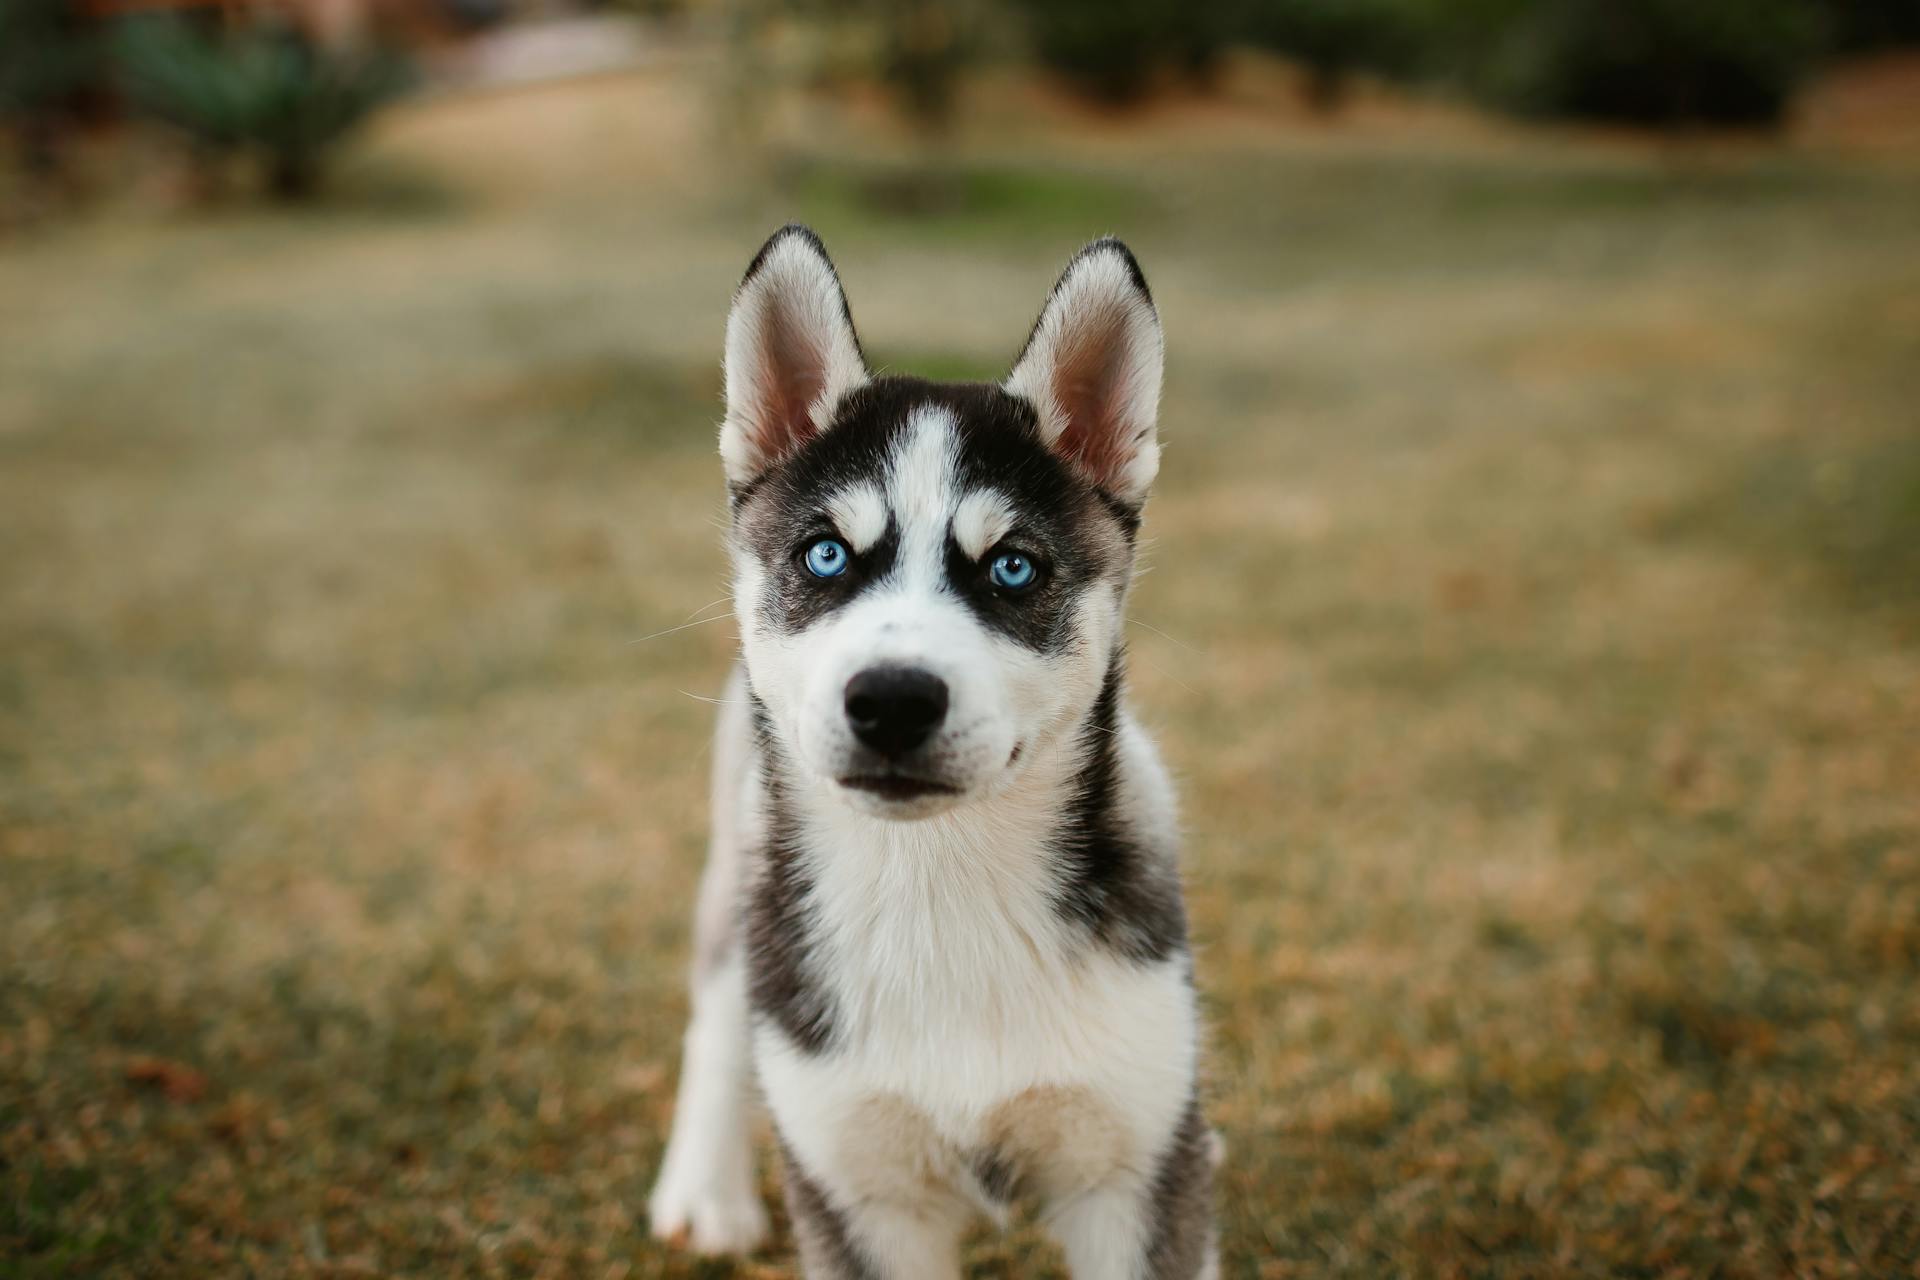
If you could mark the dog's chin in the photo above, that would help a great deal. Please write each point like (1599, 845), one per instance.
(899, 796)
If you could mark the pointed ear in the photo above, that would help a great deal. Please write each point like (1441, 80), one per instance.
(1091, 371)
(791, 354)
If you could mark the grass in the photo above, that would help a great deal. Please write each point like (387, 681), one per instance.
(1533, 620)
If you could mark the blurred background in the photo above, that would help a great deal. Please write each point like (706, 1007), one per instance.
(1532, 615)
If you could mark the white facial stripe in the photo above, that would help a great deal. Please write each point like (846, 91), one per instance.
(860, 514)
(983, 518)
(920, 484)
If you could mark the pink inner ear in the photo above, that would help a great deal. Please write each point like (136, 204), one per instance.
(796, 374)
(1085, 385)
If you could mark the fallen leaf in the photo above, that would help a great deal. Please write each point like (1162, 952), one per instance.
(178, 1081)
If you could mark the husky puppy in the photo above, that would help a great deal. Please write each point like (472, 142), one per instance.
(941, 922)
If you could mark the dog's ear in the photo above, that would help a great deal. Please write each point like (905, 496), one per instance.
(791, 354)
(1091, 371)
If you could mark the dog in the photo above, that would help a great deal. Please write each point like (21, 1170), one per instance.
(941, 924)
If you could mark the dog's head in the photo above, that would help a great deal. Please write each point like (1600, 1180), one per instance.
(930, 577)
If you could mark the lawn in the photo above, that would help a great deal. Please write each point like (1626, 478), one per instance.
(1533, 622)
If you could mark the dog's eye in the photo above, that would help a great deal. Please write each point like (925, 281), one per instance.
(1012, 571)
(827, 558)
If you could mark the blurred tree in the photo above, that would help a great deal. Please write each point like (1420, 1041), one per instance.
(262, 90)
(1874, 24)
(1656, 62)
(1116, 48)
(924, 47)
(1333, 39)
(1661, 62)
(1113, 48)
(917, 50)
(47, 57)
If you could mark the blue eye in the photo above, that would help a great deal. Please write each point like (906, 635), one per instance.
(1012, 571)
(827, 558)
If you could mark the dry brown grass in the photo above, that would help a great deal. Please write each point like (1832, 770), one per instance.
(1533, 621)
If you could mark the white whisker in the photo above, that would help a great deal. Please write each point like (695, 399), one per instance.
(718, 617)
(1163, 635)
(718, 702)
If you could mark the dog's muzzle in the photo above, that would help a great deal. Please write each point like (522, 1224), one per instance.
(893, 710)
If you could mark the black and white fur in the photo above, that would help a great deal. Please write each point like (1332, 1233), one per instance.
(958, 971)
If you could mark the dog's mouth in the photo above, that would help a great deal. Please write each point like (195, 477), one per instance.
(898, 786)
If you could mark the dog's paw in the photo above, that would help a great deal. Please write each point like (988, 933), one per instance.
(705, 1216)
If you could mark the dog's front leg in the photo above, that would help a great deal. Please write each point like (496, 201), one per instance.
(705, 1194)
(1112, 1231)
(1158, 1228)
(907, 1239)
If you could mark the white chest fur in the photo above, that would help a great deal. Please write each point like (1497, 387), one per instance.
(974, 1028)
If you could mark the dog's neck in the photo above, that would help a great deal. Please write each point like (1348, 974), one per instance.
(861, 920)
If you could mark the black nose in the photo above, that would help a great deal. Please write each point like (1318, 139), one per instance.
(894, 709)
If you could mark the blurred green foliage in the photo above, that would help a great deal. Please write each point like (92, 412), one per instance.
(1114, 48)
(1659, 62)
(46, 57)
(1873, 24)
(1334, 38)
(263, 92)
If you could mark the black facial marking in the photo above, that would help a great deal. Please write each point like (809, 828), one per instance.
(1181, 1206)
(1127, 515)
(827, 1246)
(1074, 533)
(780, 981)
(1125, 894)
(1061, 522)
(784, 510)
(795, 596)
(1039, 617)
